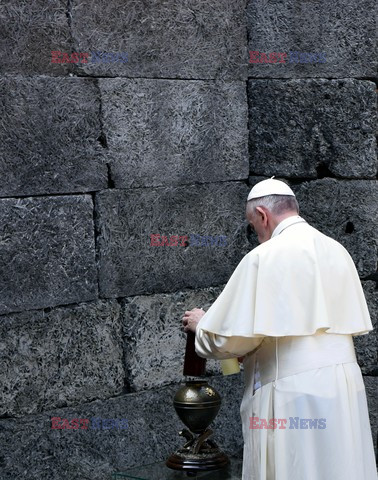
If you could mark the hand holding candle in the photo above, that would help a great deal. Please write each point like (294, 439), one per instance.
(191, 318)
(190, 321)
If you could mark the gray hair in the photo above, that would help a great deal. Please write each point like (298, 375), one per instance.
(277, 204)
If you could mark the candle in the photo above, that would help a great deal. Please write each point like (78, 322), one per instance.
(193, 364)
(230, 366)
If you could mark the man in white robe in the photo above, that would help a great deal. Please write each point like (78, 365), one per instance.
(290, 309)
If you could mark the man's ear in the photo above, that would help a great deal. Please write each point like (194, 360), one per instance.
(262, 214)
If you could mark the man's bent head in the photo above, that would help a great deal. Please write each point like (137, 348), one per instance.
(269, 202)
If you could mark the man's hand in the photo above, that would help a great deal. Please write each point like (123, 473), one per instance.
(191, 318)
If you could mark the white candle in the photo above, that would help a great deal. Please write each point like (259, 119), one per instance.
(230, 366)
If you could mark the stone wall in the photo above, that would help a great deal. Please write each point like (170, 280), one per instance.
(95, 157)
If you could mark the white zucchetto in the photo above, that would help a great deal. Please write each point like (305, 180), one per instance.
(270, 187)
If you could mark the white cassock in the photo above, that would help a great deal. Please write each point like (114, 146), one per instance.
(291, 307)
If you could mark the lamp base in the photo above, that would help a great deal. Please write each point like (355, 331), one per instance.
(198, 454)
(197, 462)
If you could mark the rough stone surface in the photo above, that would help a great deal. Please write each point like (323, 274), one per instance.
(341, 29)
(346, 211)
(161, 143)
(30, 445)
(371, 387)
(367, 345)
(65, 356)
(29, 31)
(192, 131)
(126, 219)
(154, 339)
(47, 252)
(50, 130)
(192, 39)
(310, 128)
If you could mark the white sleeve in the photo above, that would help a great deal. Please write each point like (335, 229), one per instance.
(211, 345)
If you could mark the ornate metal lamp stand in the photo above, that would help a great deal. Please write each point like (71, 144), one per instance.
(197, 404)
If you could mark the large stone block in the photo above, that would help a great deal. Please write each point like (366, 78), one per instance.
(367, 345)
(310, 128)
(47, 252)
(169, 39)
(165, 132)
(126, 219)
(66, 356)
(50, 133)
(343, 33)
(346, 211)
(29, 31)
(154, 339)
(30, 444)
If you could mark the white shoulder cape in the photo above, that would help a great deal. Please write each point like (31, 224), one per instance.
(297, 282)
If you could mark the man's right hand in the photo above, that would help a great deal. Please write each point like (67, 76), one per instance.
(191, 319)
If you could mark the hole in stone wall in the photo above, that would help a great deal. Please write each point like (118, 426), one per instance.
(102, 140)
(349, 228)
(323, 171)
(127, 386)
(110, 180)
